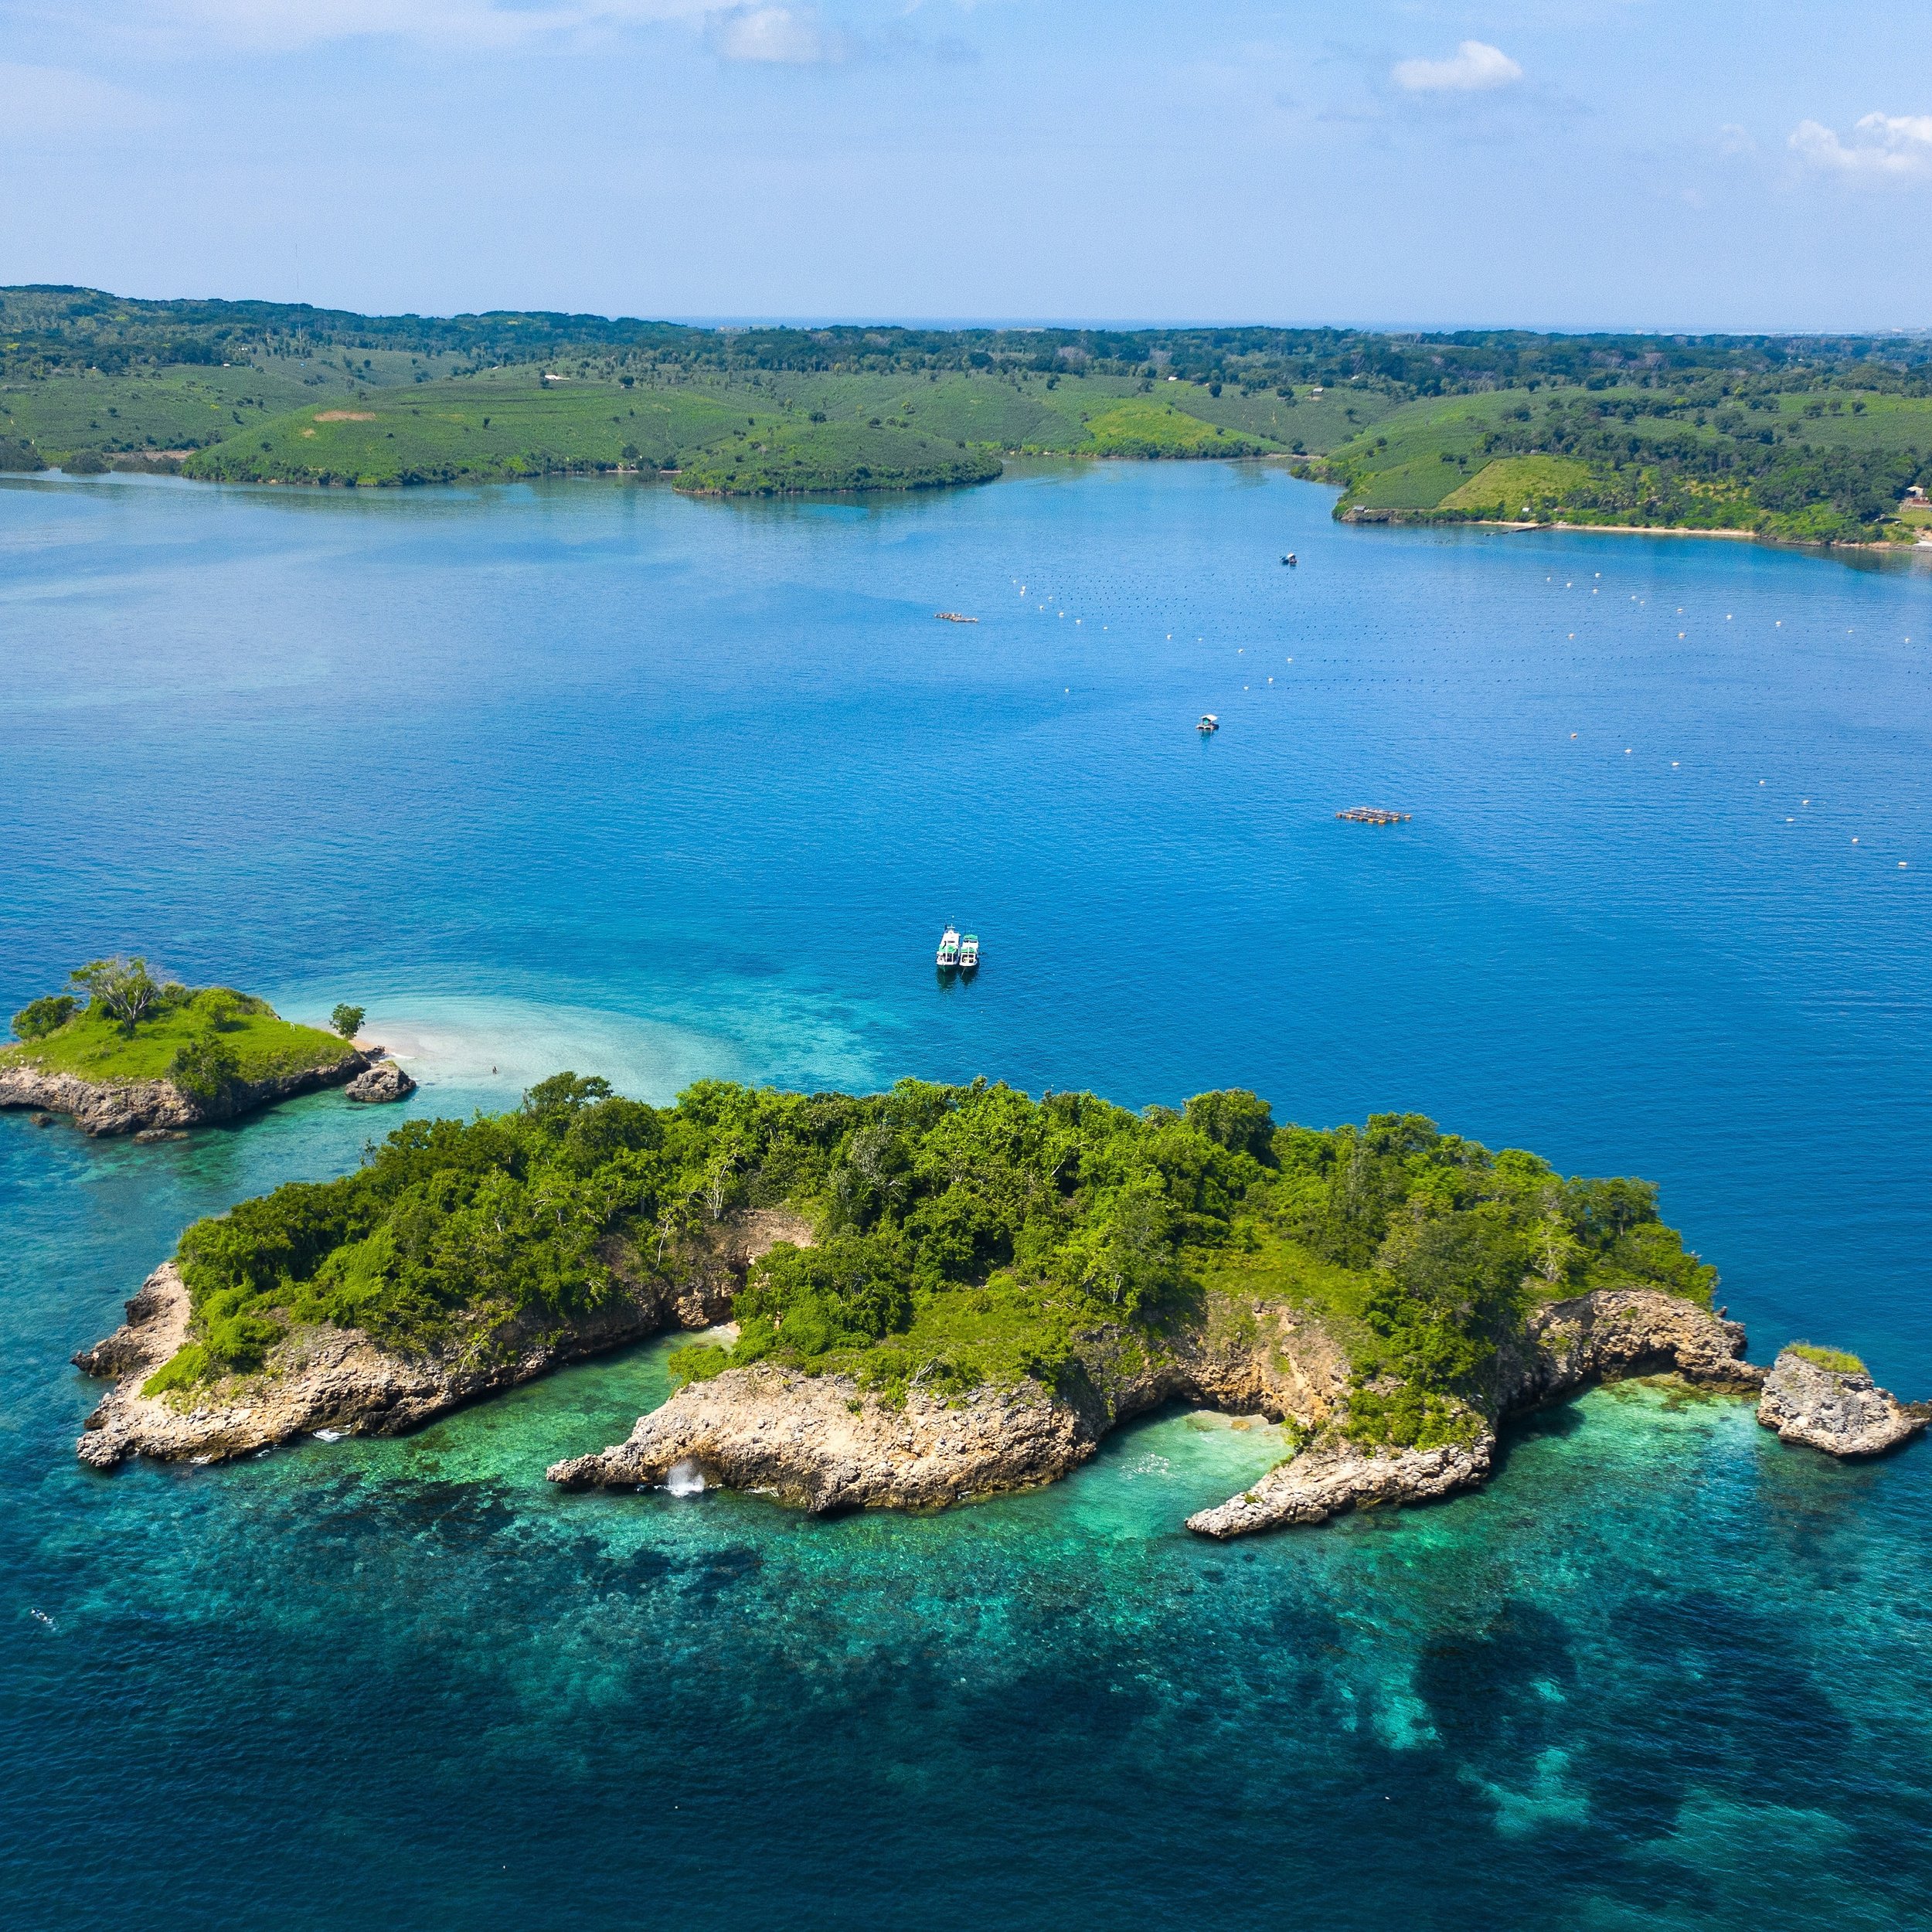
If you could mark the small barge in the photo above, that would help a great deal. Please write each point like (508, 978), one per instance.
(1372, 815)
(954, 616)
(1209, 723)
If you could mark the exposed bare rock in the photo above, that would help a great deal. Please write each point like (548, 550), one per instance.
(1616, 1333)
(321, 1377)
(133, 1107)
(824, 1442)
(821, 1442)
(1336, 1476)
(381, 1081)
(1843, 1412)
(1610, 1334)
(818, 1441)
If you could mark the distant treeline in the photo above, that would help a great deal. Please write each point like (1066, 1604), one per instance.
(49, 330)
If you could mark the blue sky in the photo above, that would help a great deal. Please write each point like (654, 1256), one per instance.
(1680, 164)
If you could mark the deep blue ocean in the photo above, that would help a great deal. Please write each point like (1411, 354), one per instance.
(588, 775)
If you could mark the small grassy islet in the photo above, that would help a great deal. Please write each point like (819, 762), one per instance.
(199, 1038)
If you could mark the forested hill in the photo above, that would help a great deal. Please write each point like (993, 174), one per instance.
(1813, 438)
(46, 330)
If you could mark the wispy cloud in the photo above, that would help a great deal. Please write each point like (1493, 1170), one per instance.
(278, 27)
(35, 101)
(779, 36)
(1882, 148)
(1474, 67)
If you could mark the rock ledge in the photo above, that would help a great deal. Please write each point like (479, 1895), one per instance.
(1843, 1412)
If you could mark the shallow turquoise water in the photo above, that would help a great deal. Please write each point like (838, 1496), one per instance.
(590, 776)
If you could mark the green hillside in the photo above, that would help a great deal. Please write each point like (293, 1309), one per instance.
(1803, 465)
(1815, 438)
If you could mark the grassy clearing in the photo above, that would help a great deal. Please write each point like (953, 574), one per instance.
(94, 1047)
(1139, 426)
(1839, 1360)
(1514, 486)
(470, 431)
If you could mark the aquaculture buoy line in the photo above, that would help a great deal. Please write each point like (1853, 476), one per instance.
(1609, 646)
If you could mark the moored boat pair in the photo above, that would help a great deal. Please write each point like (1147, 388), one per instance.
(958, 953)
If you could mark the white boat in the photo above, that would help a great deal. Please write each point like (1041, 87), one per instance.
(1209, 723)
(949, 951)
(969, 953)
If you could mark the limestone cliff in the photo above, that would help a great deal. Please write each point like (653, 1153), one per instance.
(135, 1107)
(321, 1377)
(827, 1445)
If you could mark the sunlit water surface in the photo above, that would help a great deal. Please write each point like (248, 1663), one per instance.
(591, 776)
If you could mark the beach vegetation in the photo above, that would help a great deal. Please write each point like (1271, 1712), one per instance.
(347, 1021)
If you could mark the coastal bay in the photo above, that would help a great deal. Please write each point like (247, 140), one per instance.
(725, 780)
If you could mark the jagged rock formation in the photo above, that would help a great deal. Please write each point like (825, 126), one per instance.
(1843, 1412)
(321, 1377)
(134, 1107)
(382, 1081)
(826, 1444)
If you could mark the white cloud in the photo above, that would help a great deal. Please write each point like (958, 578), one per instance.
(1882, 146)
(778, 36)
(1474, 67)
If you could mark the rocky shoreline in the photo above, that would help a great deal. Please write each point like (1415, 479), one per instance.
(826, 1444)
(323, 1378)
(105, 1108)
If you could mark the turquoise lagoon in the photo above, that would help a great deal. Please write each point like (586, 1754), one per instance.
(589, 775)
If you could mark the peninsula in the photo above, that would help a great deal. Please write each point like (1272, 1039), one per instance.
(933, 1294)
(126, 1054)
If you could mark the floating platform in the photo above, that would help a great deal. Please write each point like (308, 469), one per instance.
(954, 616)
(1373, 816)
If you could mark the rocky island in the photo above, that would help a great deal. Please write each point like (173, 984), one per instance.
(935, 1293)
(125, 1054)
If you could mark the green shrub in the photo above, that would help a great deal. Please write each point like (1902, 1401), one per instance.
(185, 1369)
(1839, 1360)
(40, 1017)
(205, 1066)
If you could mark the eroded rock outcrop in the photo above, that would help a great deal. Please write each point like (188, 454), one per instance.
(827, 1444)
(824, 1442)
(382, 1081)
(1606, 1336)
(321, 1377)
(1333, 1476)
(820, 1442)
(133, 1107)
(1841, 1411)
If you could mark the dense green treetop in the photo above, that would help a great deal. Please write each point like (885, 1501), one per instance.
(964, 1234)
(48, 329)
